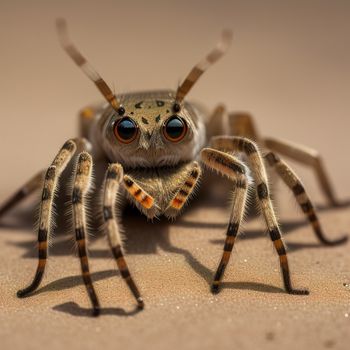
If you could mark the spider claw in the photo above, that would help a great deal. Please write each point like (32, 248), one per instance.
(215, 288)
(337, 241)
(298, 292)
(96, 311)
(140, 303)
(25, 292)
(335, 203)
(21, 293)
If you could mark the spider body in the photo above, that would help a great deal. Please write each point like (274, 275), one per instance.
(154, 143)
(151, 157)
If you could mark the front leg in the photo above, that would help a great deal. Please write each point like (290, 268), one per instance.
(251, 151)
(81, 186)
(114, 178)
(231, 167)
(45, 216)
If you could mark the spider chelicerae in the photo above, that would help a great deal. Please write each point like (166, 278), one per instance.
(154, 143)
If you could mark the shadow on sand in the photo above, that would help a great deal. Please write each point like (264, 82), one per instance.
(74, 309)
(146, 238)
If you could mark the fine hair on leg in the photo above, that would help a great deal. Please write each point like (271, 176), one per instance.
(184, 191)
(295, 185)
(307, 156)
(45, 214)
(113, 180)
(251, 151)
(230, 167)
(81, 186)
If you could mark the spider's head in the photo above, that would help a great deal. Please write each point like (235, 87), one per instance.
(151, 129)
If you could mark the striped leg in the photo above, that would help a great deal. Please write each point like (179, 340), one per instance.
(203, 65)
(114, 177)
(143, 201)
(81, 187)
(28, 188)
(45, 219)
(294, 183)
(85, 66)
(184, 192)
(305, 156)
(250, 149)
(231, 167)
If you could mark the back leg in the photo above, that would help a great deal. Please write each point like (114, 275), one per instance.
(294, 183)
(27, 189)
(87, 117)
(215, 124)
(242, 124)
(305, 156)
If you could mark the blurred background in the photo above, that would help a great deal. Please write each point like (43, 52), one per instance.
(289, 66)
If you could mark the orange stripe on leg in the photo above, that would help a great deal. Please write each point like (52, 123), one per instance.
(177, 203)
(138, 193)
(147, 202)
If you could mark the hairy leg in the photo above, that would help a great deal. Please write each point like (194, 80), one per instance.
(251, 151)
(114, 178)
(308, 157)
(229, 166)
(45, 217)
(294, 183)
(81, 187)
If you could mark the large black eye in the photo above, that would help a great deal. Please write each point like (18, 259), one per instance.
(125, 130)
(175, 128)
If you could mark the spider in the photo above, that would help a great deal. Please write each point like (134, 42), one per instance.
(154, 142)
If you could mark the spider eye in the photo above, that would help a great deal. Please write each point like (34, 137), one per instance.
(125, 130)
(176, 107)
(121, 110)
(175, 128)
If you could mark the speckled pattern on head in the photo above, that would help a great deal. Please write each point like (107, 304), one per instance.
(150, 111)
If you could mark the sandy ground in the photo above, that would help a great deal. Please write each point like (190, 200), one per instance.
(174, 266)
(289, 66)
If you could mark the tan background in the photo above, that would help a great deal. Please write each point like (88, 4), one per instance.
(289, 65)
